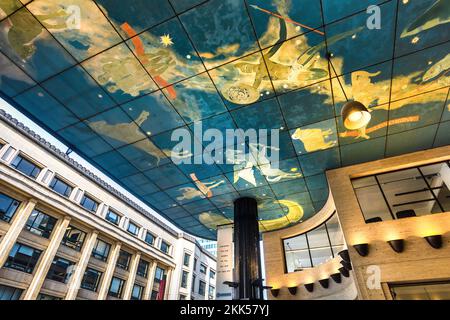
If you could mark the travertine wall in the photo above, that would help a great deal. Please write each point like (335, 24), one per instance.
(418, 261)
(275, 266)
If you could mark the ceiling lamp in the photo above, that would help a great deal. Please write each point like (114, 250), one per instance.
(344, 255)
(309, 287)
(362, 249)
(355, 115)
(434, 241)
(346, 265)
(397, 245)
(324, 283)
(336, 277)
(344, 272)
(293, 290)
(275, 292)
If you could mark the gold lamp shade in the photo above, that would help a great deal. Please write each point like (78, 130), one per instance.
(355, 115)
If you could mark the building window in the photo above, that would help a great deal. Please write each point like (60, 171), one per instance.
(133, 228)
(184, 279)
(142, 269)
(88, 203)
(60, 270)
(314, 247)
(201, 287)
(165, 247)
(159, 284)
(43, 296)
(41, 224)
(61, 187)
(404, 193)
(136, 294)
(101, 250)
(182, 297)
(211, 293)
(9, 293)
(439, 290)
(26, 166)
(149, 238)
(123, 261)
(212, 274)
(195, 264)
(116, 287)
(23, 258)
(74, 238)
(186, 259)
(112, 217)
(203, 268)
(91, 279)
(193, 283)
(8, 207)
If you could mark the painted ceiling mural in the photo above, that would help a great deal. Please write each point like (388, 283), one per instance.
(113, 79)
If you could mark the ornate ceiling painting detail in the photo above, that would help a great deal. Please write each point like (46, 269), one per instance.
(117, 82)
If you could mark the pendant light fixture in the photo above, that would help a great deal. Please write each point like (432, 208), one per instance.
(354, 114)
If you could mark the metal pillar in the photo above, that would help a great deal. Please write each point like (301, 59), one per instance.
(246, 249)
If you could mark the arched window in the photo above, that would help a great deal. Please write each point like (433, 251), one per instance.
(314, 247)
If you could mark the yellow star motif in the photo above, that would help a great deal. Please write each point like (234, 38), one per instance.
(166, 40)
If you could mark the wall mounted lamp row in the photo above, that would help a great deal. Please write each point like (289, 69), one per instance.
(398, 245)
(324, 283)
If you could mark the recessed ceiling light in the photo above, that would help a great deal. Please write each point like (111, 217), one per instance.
(188, 56)
(415, 40)
(100, 96)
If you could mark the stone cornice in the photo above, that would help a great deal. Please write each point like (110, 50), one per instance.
(19, 126)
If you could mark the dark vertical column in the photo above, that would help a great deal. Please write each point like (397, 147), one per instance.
(246, 248)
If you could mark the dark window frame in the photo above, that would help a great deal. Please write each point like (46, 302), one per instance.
(68, 187)
(202, 288)
(7, 215)
(13, 293)
(141, 291)
(68, 242)
(147, 267)
(308, 248)
(98, 278)
(138, 228)
(203, 268)
(38, 229)
(184, 279)
(167, 245)
(147, 234)
(28, 267)
(52, 274)
(119, 292)
(101, 255)
(37, 169)
(123, 260)
(113, 221)
(87, 197)
(386, 202)
(186, 259)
